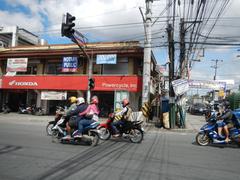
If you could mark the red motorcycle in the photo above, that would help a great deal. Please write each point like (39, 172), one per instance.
(131, 130)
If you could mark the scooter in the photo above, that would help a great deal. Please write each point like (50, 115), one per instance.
(59, 113)
(132, 130)
(90, 134)
(6, 108)
(208, 132)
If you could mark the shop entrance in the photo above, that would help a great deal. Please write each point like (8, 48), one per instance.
(16, 98)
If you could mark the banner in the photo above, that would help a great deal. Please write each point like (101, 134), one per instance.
(207, 84)
(106, 59)
(53, 95)
(69, 64)
(17, 64)
(180, 86)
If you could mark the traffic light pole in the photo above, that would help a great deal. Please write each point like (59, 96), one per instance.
(90, 65)
(68, 31)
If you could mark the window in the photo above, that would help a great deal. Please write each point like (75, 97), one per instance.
(32, 69)
(120, 68)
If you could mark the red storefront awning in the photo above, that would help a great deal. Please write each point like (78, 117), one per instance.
(102, 83)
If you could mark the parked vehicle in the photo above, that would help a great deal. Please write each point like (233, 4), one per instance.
(6, 108)
(132, 130)
(34, 110)
(59, 113)
(208, 132)
(198, 109)
(22, 109)
(90, 133)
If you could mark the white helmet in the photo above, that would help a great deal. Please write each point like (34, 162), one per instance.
(80, 100)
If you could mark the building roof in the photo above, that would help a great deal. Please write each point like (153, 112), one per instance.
(131, 48)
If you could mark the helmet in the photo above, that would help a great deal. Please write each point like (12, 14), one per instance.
(94, 100)
(72, 99)
(125, 102)
(80, 100)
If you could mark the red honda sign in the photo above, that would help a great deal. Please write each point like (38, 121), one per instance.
(102, 83)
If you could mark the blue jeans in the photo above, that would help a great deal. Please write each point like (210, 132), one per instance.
(84, 123)
(221, 123)
(117, 123)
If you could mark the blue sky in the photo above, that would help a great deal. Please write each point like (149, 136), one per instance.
(94, 18)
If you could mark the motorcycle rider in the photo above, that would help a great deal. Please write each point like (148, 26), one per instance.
(89, 116)
(224, 120)
(72, 123)
(125, 113)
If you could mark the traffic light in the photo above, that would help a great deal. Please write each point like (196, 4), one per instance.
(67, 26)
(91, 83)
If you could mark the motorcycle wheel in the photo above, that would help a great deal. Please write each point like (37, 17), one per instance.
(136, 135)
(104, 133)
(49, 127)
(95, 138)
(202, 139)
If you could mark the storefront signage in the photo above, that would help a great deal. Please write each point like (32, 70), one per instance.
(22, 83)
(53, 95)
(17, 64)
(69, 64)
(102, 83)
(106, 59)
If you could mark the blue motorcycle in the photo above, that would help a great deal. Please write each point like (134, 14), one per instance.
(208, 132)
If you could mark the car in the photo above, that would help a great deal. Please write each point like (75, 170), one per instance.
(198, 109)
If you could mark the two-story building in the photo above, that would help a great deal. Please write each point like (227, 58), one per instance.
(46, 84)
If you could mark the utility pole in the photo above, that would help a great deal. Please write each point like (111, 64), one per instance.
(182, 61)
(215, 67)
(215, 73)
(147, 53)
(171, 50)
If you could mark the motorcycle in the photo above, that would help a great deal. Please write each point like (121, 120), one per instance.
(34, 110)
(59, 113)
(131, 130)
(90, 133)
(6, 108)
(22, 109)
(208, 132)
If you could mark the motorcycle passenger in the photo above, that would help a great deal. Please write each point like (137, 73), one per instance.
(81, 106)
(90, 115)
(225, 119)
(73, 105)
(125, 113)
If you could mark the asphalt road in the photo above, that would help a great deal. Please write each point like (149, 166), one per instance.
(26, 152)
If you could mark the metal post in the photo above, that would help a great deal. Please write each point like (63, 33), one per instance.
(90, 61)
(147, 54)
(90, 65)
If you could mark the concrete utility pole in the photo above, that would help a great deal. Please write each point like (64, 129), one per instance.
(215, 67)
(147, 53)
(171, 50)
(215, 73)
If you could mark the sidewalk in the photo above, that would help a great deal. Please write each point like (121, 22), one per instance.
(193, 124)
